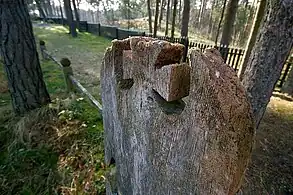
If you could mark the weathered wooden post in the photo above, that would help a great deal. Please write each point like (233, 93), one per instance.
(67, 71)
(171, 127)
(43, 50)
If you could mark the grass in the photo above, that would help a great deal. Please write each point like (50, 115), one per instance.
(60, 151)
(85, 52)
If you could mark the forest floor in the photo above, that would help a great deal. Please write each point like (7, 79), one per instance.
(61, 150)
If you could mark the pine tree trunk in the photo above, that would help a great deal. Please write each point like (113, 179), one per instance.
(150, 16)
(174, 18)
(167, 18)
(179, 13)
(252, 38)
(26, 85)
(156, 17)
(50, 10)
(288, 86)
(69, 16)
(220, 22)
(185, 18)
(41, 11)
(266, 61)
(76, 13)
(163, 3)
(201, 13)
(229, 22)
(210, 29)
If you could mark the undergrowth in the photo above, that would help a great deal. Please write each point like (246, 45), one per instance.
(57, 149)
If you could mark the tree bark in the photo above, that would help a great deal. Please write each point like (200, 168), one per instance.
(150, 16)
(210, 28)
(167, 18)
(163, 3)
(220, 22)
(252, 38)
(76, 13)
(69, 16)
(49, 6)
(201, 13)
(179, 13)
(185, 18)
(288, 86)
(267, 58)
(25, 78)
(156, 17)
(229, 22)
(41, 11)
(174, 18)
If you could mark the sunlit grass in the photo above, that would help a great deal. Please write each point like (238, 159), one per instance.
(55, 149)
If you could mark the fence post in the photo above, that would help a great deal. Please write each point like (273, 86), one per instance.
(117, 33)
(164, 131)
(99, 29)
(67, 71)
(43, 49)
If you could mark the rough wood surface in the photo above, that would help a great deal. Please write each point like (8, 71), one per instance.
(200, 144)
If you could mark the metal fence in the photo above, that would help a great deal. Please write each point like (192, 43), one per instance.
(232, 56)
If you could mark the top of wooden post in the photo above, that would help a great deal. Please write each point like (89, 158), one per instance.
(42, 42)
(65, 62)
(176, 128)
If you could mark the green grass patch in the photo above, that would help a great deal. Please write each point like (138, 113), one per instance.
(57, 149)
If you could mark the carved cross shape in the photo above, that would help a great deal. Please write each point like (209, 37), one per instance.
(161, 61)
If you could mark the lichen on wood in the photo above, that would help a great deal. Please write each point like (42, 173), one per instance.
(178, 128)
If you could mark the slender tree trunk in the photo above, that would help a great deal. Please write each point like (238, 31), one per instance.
(76, 13)
(179, 13)
(185, 18)
(150, 16)
(229, 22)
(50, 10)
(211, 17)
(156, 17)
(167, 18)
(266, 61)
(69, 16)
(288, 86)
(252, 38)
(26, 85)
(41, 11)
(174, 18)
(201, 13)
(163, 3)
(220, 22)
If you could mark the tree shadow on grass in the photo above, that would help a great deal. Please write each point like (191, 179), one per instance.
(271, 168)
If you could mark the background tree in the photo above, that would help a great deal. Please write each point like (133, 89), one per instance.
(229, 21)
(167, 17)
(27, 88)
(41, 10)
(288, 86)
(163, 4)
(220, 22)
(272, 48)
(76, 13)
(156, 17)
(252, 38)
(69, 16)
(150, 16)
(185, 18)
(174, 17)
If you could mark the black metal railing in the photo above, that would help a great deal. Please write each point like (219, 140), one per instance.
(231, 56)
